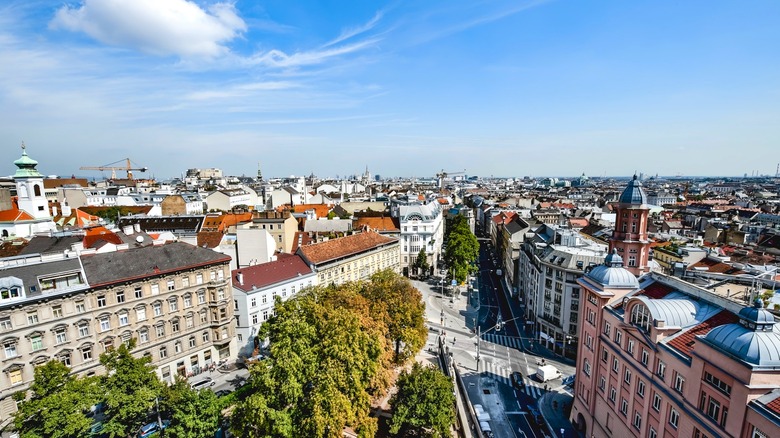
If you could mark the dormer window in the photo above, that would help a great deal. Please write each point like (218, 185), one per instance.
(640, 317)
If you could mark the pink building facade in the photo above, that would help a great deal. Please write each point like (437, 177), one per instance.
(630, 235)
(660, 357)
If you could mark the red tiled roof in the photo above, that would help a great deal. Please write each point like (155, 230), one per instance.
(344, 246)
(209, 239)
(685, 341)
(321, 210)
(579, 221)
(657, 290)
(14, 215)
(300, 239)
(230, 219)
(774, 406)
(379, 224)
(715, 266)
(95, 235)
(286, 267)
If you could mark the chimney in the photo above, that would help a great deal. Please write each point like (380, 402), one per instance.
(240, 278)
(137, 228)
(128, 230)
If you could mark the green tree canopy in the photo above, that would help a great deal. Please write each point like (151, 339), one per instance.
(131, 387)
(424, 404)
(57, 405)
(462, 249)
(193, 413)
(421, 263)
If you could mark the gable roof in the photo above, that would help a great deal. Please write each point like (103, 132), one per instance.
(379, 224)
(14, 215)
(285, 267)
(319, 253)
(685, 341)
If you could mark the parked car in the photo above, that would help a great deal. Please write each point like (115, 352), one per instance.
(203, 383)
(517, 380)
(568, 381)
(150, 429)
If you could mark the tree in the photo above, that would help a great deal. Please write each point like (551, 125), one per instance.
(462, 250)
(193, 413)
(424, 404)
(131, 388)
(421, 263)
(57, 405)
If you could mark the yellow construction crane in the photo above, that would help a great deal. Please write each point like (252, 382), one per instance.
(110, 166)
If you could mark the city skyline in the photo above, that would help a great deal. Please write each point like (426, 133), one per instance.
(496, 88)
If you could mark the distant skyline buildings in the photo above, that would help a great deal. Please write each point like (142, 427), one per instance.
(504, 88)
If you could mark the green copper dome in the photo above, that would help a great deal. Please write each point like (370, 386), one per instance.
(26, 166)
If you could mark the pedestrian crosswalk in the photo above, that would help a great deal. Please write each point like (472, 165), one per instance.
(507, 341)
(503, 375)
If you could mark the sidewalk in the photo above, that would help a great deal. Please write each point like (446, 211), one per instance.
(555, 407)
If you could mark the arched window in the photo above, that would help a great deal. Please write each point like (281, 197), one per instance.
(640, 316)
(37, 190)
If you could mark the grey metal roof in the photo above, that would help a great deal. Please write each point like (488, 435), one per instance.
(756, 348)
(674, 312)
(633, 193)
(29, 271)
(612, 273)
(114, 267)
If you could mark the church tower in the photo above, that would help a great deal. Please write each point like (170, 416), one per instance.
(29, 187)
(630, 235)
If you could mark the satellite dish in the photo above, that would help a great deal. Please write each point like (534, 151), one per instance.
(139, 239)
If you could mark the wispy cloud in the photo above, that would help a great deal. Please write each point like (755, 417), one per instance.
(240, 90)
(160, 27)
(355, 31)
(277, 58)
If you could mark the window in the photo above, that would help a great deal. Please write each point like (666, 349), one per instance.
(640, 388)
(607, 329)
(175, 325)
(80, 307)
(623, 406)
(124, 319)
(679, 382)
(602, 383)
(205, 336)
(120, 296)
(171, 285)
(32, 318)
(189, 321)
(159, 330)
(101, 301)
(83, 330)
(140, 313)
(254, 318)
(64, 357)
(105, 324)
(139, 292)
(265, 299)
(656, 402)
(203, 316)
(155, 289)
(674, 418)
(86, 353)
(627, 375)
(630, 346)
(192, 341)
(717, 383)
(615, 364)
(253, 302)
(604, 355)
(173, 304)
(645, 357)
(199, 279)
(5, 323)
(221, 293)
(157, 308)
(652, 433)
(661, 369)
(108, 344)
(758, 433)
(56, 312)
(187, 301)
(618, 337)
(587, 367)
(713, 409)
(612, 394)
(185, 281)
(15, 376)
(143, 335)
(177, 347)
(60, 336)
(265, 315)
(10, 349)
(637, 420)
(163, 352)
(201, 297)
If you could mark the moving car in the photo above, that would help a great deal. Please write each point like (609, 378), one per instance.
(517, 380)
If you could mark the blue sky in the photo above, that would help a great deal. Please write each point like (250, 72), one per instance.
(504, 88)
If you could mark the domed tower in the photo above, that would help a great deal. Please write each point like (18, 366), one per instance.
(630, 236)
(29, 187)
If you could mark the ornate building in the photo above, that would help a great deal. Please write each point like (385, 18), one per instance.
(630, 235)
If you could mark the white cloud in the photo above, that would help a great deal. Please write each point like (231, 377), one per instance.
(354, 31)
(277, 58)
(160, 27)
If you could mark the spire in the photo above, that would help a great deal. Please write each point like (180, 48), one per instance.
(26, 165)
(259, 172)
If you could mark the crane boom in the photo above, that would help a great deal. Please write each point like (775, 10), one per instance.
(127, 168)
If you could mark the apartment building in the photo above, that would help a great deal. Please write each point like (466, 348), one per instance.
(662, 357)
(351, 258)
(174, 299)
(422, 227)
(281, 225)
(255, 289)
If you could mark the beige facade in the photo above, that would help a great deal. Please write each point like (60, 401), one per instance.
(281, 225)
(174, 299)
